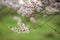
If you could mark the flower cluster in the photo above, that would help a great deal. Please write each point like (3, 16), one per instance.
(29, 7)
(22, 27)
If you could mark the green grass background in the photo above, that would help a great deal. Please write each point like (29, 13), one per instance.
(38, 31)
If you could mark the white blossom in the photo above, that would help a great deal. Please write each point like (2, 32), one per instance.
(14, 29)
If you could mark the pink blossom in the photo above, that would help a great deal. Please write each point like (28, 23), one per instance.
(32, 19)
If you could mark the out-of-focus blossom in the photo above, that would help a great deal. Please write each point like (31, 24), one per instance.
(32, 19)
(17, 19)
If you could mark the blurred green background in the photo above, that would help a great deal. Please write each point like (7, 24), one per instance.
(46, 28)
